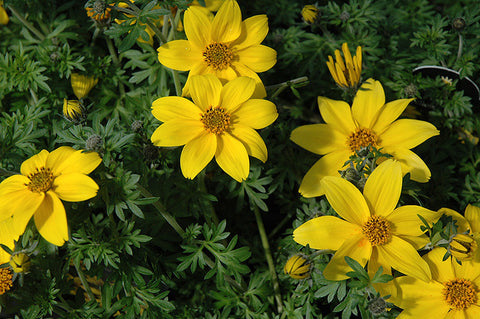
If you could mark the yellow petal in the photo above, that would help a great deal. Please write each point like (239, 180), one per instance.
(407, 133)
(51, 220)
(74, 187)
(325, 232)
(7, 238)
(82, 84)
(224, 75)
(198, 27)
(243, 70)
(197, 69)
(179, 55)
(227, 24)
(252, 141)
(405, 220)
(418, 242)
(26, 204)
(401, 256)
(328, 165)
(254, 31)
(173, 107)
(337, 114)
(177, 132)
(346, 199)
(256, 113)
(367, 102)
(376, 261)
(3, 16)
(12, 184)
(389, 113)
(235, 92)
(205, 90)
(411, 163)
(33, 163)
(441, 270)
(357, 248)
(473, 311)
(383, 187)
(64, 161)
(472, 214)
(232, 157)
(259, 58)
(319, 138)
(197, 154)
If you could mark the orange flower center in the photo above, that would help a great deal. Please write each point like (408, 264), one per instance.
(216, 120)
(40, 181)
(460, 293)
(362, 137)
(377, 230)
(5, 280)
(218, 55)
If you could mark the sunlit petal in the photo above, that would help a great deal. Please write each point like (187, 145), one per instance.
(205, 90)
(367, 103)
(407, 133)
(254, 31)
(256, 113)
(405, 220)
(243, 70)
(389, 113)
(74, 187)
(227, 24)
(63, 161)
(441, 270)
(252, 141)
(197, 26)
(177, 132)
(35, 162)
(411, 163)
(179, 55)
(472, 214)
(236, 92)
(259, 58)
(51, 220)
(232, 157)
(173, 107)
(12, 184)
(319, 138)
(197, 154)
(337, 114)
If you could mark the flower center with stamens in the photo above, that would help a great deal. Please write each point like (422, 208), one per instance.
(5, 280)
(459, 293)
(377, 230)
(216, 120)
(40, 181)
(218, 55)
(362, 137)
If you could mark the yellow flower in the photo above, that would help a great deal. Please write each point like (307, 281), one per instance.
(298, 267)
(5, 280)
(45, 180)
(99, 11)
(3, 14)
(7, 238)
(346, 74)
(453, 291)
(372, 230)
(73, 110)
(368, 122)
(82, 84)
(210, 5)
(310, 13)
(220, 122)
(20, 263)
(225, 46)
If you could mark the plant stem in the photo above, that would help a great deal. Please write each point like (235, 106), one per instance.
(176, 80)
(282, 86)
(211, 216)
(26, 23)
(116, 60)
(460, 46)
(268, 256)
(84, 282)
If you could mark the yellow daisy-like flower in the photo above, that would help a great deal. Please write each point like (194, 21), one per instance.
(220, 122)
(210, 5)
(452, 293)
(3, 14)
(73, 110)
(372, 229)
(368, 122)
(310, 13)
(225, 46)
(346, 74)
(82, 84)
(45, 180)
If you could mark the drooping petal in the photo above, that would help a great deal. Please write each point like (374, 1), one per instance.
(197, 26)
(405, 221)
(227, 24)
(173, 107)
(259, 58)
(51, 220)
(328, 165)
(243, 70)
(12, 184)
(319, 138)
(179, 55)
(389, 113)
(411, 163)
(236, 92)
(197, 154)
(177, 132)
(357, 248)
(33, 163)
(256, 113)
(401, 256)
(63, 161)
(346, 199)
(472, 214)
(383, 187)
(325, 232)
(369, 100)
(74, 187)
(407, 133)
(254, 31)
(337, 114)
(441, 270)
(252, 141)
(205, 90)
(24, 205)
(232, 157)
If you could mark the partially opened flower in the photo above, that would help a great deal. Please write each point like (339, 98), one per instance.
(310, 13)
(225, 46)
(369, 122)
(371, 229)
(220, 122)
(73, 110)
(346, 74)
(99, 11)
(82, 84)
(46, 179)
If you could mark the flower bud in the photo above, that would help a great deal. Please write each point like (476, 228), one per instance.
(298, 267)
(459, 24)
(94, 143)
(462, 247)
(73, 110)
(20, 262)
(310, 13)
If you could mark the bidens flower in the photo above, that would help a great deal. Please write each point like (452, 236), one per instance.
(298, 267)
(372, 230)
(225, 46)
(369, 122)
(45, 180)
(20, 263)
(346, 74)
(220, 122)
(310, 13)
(210, 5)
(73, 110)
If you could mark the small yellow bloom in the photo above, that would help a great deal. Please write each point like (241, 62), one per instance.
(82, 84)
(99, 11)
(310, 13)
(346, 74)
(20, 262)
(46, 179)
(73, 110)
(298, 267)
(5, 280)
(446, 80)
(220, 123)
(3, 14)
(462, 247)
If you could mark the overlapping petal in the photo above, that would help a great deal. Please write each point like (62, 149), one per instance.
(411, 163)
(74, 187)
(226, 26)
(177, 132)
(367, 103)
(206, 91)
(198, 28)
(63, 161)
(407, 133)
(197, 154)
(256, 113)
(318, 138)
(472, 214)
(12, 184)
(180, 55)
(33, 163)
(243, 70)
(252, 141)
(173, 107)
(259, 58)
(236, 92)
(389, 113)
(405, 220)
(232, 157)
(337, 114)
(51, 220)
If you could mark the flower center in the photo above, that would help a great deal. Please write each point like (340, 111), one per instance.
(216, 120)
(377, 230)
(40, 181)
(362, 137)
(459, 293)
(5, 280)
(218, 55)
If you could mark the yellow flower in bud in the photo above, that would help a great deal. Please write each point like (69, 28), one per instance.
(298, 267)
(20, 262)
(82, 84)
(310, 13)
(99, 11)
(73, 110)
(3, 14)
(463, 247)
(346, 74)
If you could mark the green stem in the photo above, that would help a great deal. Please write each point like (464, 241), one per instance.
(211, 216)
(84, 282)
(26, 23)
(116, 60)
(282, 86)
(268, 256)
(460, 46)
(176, 80)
